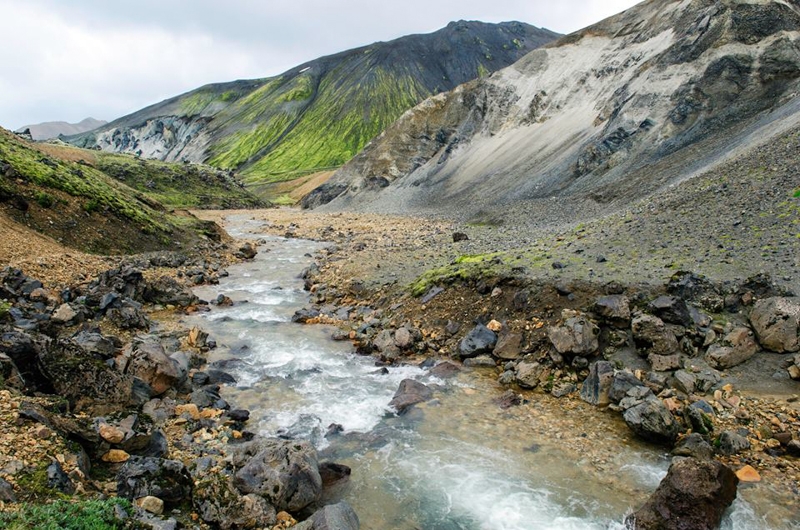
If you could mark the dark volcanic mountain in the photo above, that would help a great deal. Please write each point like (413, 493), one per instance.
(612, 113)
(54, 129)
(316, 116)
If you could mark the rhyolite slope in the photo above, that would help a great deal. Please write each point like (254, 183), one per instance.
(316, 116)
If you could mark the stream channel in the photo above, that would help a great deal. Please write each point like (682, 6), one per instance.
(457, 462)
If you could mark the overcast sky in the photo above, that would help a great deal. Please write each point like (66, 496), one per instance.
(68, 60)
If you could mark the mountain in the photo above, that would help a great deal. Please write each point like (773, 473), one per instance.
(80, 198)
(316, 116)
(610, 114)
(53, 129)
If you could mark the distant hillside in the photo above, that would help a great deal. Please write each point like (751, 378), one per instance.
(53, 129)
(317, 116)
(61, 192)
(586, 125)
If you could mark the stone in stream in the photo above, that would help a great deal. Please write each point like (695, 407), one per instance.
(480, 340)
(408, 394)
(339, 516)
(445, 370)
(776, 322)
(652, 421)
(694, 495)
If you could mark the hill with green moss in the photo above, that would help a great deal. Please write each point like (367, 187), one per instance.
(316, 116)
(67, 195)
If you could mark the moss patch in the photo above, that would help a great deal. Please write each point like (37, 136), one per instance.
(65, 515)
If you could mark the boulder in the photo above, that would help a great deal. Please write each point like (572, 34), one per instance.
(614, 309)
(478, 341)
(664, 363)
(95, 343)
(598, 383)
(621, 383)
(247, 251)
(129, 315)
(445, 370)
(284, 472)
(776, 323)
(408, 394)
(671, 309)
(732, 443)
(651, 333)
(652, 421)
(694, 446)
(735, 348)
(219, 504)
(339, 516)
(166, 479)
(149, 362)
(528, 374)
(509, 346)
(576, 336)
(694, 495)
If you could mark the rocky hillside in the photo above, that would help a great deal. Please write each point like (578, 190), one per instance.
(615, 112)
(316, 116)
(82, 207)
(54, 129)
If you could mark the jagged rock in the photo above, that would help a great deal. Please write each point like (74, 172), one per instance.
(576, 336)
(614, 309)
(684, 381)
(58, 480)
(563, 389)
(738, 346)
(652, 421)
(166, 479)
(695, 446)
(509, 346)
(149, 362)
(480, 340)
(598, 383)
(776, 323)
(635, 395)
(651, 333)
(695, 288)
(284, 472)
(218, 503)
(694, 495)
(65, 314)
(129, 316)
(671, 309)
(732, 443)
(699, 419)
(528, 374)
(197, 338)
(208, 396)
(408, 394)
(96, 343)
(621, 383)
(664, 363)
(7, 492)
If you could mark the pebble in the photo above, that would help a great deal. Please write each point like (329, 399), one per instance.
(115, 456)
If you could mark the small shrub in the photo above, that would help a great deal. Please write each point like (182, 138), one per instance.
(66, 515)
(92, 205)
(796, 193)
(45, 200)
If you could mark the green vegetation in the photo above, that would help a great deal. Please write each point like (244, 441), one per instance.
(44, 199)
(463, 268)
(796, 193)
(65, 515)
(4, 308)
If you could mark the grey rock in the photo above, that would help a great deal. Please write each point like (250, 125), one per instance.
(652, 421)
(96, 343)
(622, 382)
(166, 479)
(776, 322)
(408, 394)
(528, 374)
(339, 516)
(699, 420)
(671, 309)
(284, 472)
(732, 443)
(736, 347)
(563, 390)
(7, 491)
(57, 479)
(598, 383)
(651, 333)
(509, 346)
(481, 361)
(694, 495)
(695, 446)
(445, 370)
(684, 381)
(615, 309)
(218, 503)
(478, 341)
(664, 363)
(576, 336)
(149, 362)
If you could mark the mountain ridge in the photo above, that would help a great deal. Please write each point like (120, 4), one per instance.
(53, 129)
(317, 115)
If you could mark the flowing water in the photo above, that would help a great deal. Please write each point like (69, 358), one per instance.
(457, 462)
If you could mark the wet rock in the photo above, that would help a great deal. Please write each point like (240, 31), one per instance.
(614, 309)
(735, 348)
(481, 361)
(239, 415)
(509, 346)
(149, 362)
(529, 374)
(58, 480)
(408, 394)
(338, 516)
(166, 479)
(284, 472)
(651, 333)
(247, 251)
(732, 443)
(671, 309)
(652, 421)
(694, 495)
(695, 446)
(776, 323)
(597, 385)
(208, 397)
(307, 427)
(508, 399)
(576, 336)
(302, 316)
(563, 390)
(445, 370)
(478, 341)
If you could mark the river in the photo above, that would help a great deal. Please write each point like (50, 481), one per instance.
(458, 462)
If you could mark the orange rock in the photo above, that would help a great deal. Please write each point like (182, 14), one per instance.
(111, 434)
(210, 413)
(115, 456)
(495, 326)
(748, 474)
(189, 408)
